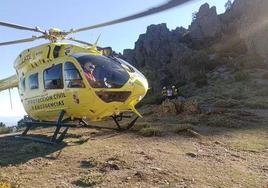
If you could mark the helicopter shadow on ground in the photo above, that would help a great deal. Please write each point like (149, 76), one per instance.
(15, 151)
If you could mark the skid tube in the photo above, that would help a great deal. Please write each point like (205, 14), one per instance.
(57, 136)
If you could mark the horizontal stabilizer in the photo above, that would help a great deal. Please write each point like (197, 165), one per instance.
(9, 83)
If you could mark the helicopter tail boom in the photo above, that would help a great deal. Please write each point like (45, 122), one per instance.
(9, 82)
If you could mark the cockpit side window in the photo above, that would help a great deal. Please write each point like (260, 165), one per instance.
(53, 77)
(22, 84)
(33, 81)
(72, 76)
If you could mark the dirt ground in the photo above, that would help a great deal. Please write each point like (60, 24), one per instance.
(201, 156)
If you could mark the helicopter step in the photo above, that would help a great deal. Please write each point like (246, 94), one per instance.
(57, 136)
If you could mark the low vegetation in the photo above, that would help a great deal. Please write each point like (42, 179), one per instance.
(150, 131)
(4, 184)
(241, 76)
(89, 180)
(4, 129)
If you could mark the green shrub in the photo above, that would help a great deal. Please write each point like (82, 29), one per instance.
(200, 80)
(5, 130)
(151, 131)
(241, 76)
(2, 124)
(90, 180)
(224, 121)
(251, 62)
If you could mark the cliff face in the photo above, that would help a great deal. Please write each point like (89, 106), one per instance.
(171, 57)
(253, 24)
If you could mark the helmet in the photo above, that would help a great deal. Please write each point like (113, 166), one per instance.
(173, 87)
(164, 87)
(89, 66)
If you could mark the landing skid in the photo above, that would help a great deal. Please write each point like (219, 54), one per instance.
(117, 119)
(59, 136)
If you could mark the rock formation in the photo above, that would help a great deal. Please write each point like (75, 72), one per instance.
(207, 24)
(172, 57)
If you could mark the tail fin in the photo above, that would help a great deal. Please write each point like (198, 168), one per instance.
(9, 82)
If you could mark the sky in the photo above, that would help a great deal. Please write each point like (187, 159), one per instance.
(76, 14)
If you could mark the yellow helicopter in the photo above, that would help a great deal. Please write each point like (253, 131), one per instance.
(61, 82)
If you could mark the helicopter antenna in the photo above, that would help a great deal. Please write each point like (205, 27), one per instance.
(10, 99)
(97, 41)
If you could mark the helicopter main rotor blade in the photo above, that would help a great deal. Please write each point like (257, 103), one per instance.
(35, 29)
(170, 4)
(22, 40)
(79, 41)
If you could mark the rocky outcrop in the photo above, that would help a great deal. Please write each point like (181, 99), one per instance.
(170, 57)
(163, 56)
(207, 24)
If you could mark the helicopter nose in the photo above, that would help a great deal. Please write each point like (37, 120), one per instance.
(140, 88)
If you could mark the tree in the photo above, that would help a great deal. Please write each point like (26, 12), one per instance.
(2, 124)
(228, 5)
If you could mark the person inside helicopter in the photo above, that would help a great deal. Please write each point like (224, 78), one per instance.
(102, 72)
(89, 70)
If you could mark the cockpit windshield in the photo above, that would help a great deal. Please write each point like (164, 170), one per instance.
(102, 72)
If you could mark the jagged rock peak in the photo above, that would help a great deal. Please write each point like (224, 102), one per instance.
(207, 24)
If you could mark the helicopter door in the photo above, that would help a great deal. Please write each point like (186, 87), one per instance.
(73, 84)
(72, 76)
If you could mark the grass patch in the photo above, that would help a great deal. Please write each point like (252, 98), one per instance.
(150, 131)
(257, 103)
(229, 103)
(262, 92)
(89, 163)
(181, 127)
(189, 119)
(241, 76)
(224, 121)
(200, 80)
(34, 148)
(254, 140)
(5, 130)
(252, 144)
(90, 180)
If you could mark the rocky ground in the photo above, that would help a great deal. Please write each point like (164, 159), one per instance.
(171, 151)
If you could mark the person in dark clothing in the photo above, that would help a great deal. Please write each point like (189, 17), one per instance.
(174, 92)
(164, 93)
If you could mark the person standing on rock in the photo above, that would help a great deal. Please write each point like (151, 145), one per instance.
(169, 93)
(164, 92)
(174, 92)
